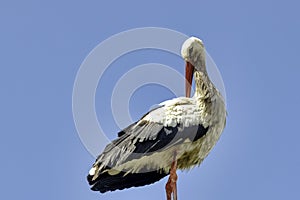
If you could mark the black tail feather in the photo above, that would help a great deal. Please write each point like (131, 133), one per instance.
(106, 182)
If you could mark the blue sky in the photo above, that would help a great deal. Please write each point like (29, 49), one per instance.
(255, 45)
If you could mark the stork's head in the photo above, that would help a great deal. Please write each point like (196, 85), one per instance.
(193, 52)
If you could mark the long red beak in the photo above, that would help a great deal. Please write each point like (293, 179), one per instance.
(189, 72)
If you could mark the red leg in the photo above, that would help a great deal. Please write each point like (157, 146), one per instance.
(169, 189)
(174, 178)
(171, 186)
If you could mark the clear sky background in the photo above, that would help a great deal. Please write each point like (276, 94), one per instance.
(255, 45)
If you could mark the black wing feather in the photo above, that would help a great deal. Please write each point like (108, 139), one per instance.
(143, 137)
(121, 181)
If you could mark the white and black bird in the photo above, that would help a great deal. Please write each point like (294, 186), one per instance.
(178, 134)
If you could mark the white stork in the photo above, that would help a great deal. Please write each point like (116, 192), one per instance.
(178, 134)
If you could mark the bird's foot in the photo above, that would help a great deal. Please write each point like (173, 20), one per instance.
(171, 186)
